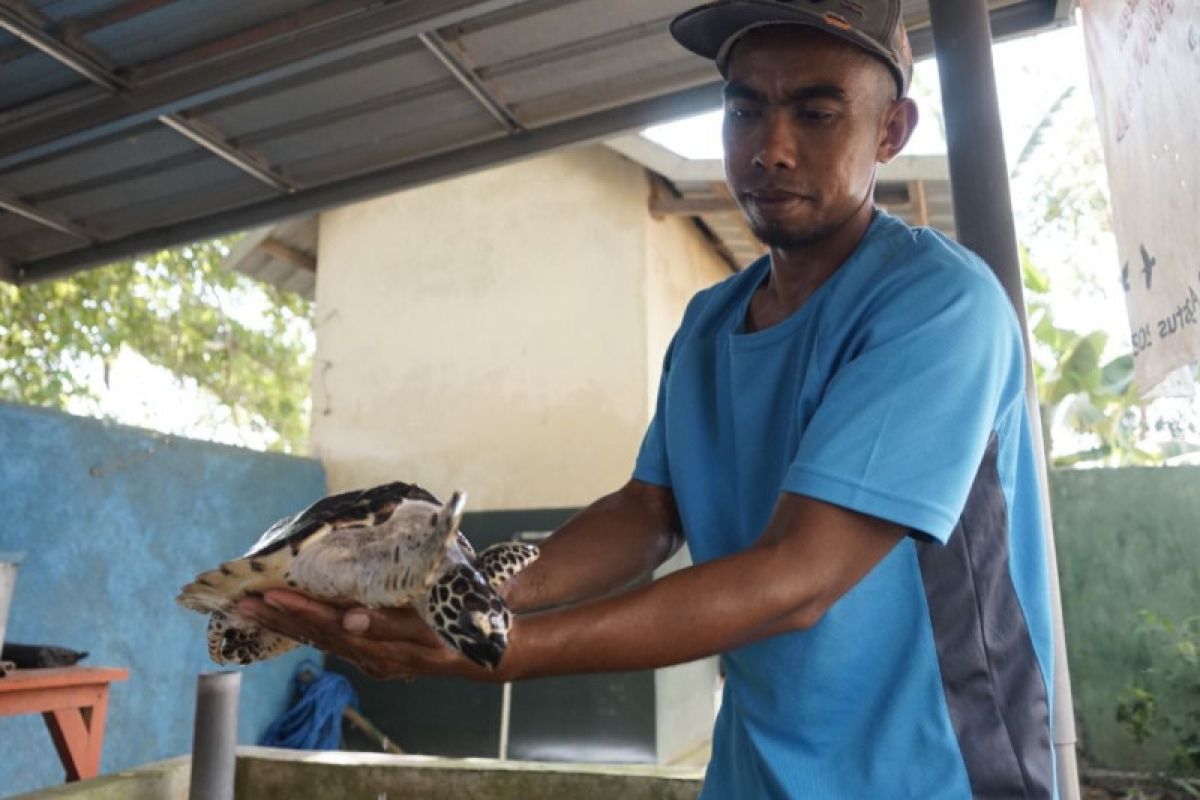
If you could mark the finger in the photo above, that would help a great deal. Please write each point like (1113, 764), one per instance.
(298, 618)
(295, 603)
(254, 609)
(388, 624)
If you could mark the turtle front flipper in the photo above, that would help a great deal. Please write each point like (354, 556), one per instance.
(469, 616)
(500, 562)
(232, 640)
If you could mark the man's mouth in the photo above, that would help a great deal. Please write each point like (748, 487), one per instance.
(773, 198)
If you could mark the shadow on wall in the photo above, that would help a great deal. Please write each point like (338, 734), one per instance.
(112, 521)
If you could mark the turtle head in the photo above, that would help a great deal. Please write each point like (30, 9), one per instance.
(447, 521)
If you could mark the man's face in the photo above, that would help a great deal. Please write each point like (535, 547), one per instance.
(804, 124)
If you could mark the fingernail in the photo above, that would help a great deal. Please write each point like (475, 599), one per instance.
(356, 622)
(274, 603)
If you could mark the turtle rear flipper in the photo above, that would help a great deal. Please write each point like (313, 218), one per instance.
(232, 640)
(500, 562)
(212, 590)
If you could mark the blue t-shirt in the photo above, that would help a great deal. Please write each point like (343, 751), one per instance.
(897, 390)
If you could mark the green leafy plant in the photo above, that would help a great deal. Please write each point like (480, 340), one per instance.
(1090, 394)
(1164, 698)
(245, 345)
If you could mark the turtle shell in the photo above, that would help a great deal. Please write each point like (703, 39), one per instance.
(357, 509)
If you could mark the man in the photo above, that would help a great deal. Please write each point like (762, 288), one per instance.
(841, 438)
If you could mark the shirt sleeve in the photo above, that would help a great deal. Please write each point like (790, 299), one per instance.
(904, 422)
(652, 465)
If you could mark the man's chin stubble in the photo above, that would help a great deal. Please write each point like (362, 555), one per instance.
(777, 237)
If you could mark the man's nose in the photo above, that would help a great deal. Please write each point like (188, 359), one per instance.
(777, 148)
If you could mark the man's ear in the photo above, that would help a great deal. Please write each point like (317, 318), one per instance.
(899, 122)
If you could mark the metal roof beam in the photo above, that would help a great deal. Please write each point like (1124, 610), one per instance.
(17, 22)
(288, 254)
(44, 217)
(581, 130)
(550, 56)
(89, 68)
(237, 71)
(112, 16)
(216, 144)
(465, 74)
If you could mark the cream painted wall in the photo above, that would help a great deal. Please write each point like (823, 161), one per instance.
(487, 333)
(679, 263)
(504, 333)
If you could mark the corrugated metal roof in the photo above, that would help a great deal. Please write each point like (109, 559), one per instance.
(127, 125)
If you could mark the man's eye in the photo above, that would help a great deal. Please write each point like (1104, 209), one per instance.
(739, 113)
(815, 115)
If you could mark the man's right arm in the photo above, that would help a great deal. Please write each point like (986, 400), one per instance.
(606, 547)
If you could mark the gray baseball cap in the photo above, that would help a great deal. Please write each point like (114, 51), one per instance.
(877, 26)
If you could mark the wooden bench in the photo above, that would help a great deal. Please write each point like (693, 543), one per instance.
(73, 701)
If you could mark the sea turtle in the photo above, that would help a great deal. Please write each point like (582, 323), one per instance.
(391, 545)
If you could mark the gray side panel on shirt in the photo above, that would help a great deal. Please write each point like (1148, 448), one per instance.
(994, 687)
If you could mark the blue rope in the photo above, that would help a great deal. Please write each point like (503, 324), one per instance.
(314, 720)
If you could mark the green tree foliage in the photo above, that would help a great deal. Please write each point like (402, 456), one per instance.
(245, 344)
(1087, 392)
(1084, 376)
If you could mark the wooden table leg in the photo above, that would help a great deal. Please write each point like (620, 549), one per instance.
(78, 735)
(73, 702)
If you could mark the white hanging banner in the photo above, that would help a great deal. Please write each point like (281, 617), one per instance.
(1144, 60)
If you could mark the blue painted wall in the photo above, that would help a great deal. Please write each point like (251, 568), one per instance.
(113, 520)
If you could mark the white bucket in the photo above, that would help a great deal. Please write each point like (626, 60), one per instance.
(8, 580)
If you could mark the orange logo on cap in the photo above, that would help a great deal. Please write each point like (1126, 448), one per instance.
(838, 21)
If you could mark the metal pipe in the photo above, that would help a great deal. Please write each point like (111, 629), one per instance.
(505, 719)
(983, 217)
(214, 743)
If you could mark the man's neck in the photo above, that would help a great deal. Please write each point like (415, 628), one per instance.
(796, 273)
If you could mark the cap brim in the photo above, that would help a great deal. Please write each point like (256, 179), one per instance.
(711, 30)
